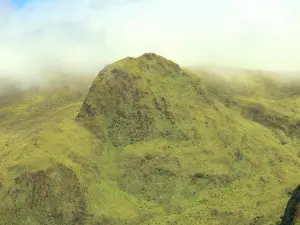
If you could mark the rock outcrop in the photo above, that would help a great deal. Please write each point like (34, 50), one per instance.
(292, 210)
(51, 196)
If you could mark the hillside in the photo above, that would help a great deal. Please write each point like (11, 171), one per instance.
(151, 143)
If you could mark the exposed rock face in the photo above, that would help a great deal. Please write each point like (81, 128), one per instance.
(292, 211)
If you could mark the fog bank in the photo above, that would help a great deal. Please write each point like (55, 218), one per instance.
(81, 36)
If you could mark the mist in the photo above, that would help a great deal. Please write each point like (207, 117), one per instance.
(81, 36)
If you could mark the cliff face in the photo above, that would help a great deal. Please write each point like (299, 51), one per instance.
(292, 210)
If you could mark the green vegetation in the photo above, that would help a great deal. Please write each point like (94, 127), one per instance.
(150, 143)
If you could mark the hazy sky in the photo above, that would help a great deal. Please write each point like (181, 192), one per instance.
(83, 35)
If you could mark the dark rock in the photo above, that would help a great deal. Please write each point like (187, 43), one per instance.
(292, 210)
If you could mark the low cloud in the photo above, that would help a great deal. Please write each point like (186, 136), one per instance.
(81, 36)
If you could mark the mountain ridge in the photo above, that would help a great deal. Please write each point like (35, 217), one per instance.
(201, 160)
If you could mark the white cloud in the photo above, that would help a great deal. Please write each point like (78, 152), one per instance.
(83, 35)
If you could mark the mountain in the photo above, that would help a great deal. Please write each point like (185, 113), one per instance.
(136, 100)
(149, 142)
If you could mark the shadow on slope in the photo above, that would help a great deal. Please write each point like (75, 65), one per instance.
(292, 210)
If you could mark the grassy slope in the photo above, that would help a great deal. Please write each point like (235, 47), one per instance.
(234, 171)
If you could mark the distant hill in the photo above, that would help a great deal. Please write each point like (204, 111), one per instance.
(151, 143)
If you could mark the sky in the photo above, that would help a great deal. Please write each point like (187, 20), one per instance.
(81, 36)
(19, 3)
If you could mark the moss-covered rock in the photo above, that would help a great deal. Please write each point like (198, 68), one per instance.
(51, 196)
(132, 100)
